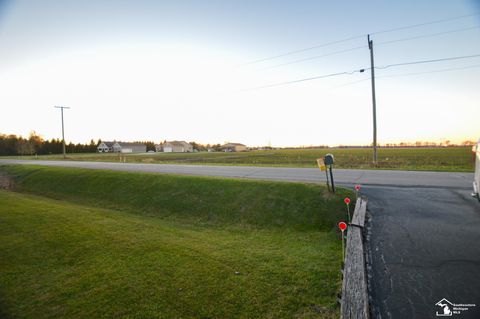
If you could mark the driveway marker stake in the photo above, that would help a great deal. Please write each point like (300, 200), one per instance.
(357, 189)
(347, 201)
(342, 227)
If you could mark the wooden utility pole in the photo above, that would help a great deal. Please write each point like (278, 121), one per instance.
(372, 72)
(63, 131)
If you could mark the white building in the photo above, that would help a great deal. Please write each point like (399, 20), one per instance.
(121, 147)
(177, 147)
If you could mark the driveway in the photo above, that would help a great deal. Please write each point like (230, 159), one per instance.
(423, 245)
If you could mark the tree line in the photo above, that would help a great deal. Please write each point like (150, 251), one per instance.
(35, 144)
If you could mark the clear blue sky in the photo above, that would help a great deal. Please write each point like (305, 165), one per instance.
(137, 70)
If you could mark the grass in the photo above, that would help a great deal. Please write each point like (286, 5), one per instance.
(76, 243)
(430, 159)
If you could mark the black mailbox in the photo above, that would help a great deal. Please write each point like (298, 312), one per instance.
(329, 159)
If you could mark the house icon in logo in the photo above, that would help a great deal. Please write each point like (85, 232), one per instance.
(446, 308)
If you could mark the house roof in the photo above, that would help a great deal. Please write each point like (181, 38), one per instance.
(123, 144)
(233, 144)
(126, 144)
(106, 143)
(178, 143)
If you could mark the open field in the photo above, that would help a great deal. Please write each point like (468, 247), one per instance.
(80, 243)
(457, 159)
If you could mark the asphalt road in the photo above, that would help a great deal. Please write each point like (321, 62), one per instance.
(346, 177)
(422, 237)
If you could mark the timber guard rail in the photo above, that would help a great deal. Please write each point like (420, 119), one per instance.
(354, 302)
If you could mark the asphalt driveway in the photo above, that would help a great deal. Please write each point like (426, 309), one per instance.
(423, 245)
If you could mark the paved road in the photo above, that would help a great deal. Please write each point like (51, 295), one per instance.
(312, 175)
(423, 237)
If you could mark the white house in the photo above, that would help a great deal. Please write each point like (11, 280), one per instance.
(177, 147)
(130, 147)
(121, 147)
(105, 147)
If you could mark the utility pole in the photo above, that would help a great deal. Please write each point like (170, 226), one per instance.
(372, 72)
(63, 131)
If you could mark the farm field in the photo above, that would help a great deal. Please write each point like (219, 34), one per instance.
(79, 243)
(455, 159)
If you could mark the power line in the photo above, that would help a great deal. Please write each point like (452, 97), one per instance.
(428, 61)
(410, 74)
(314, 57)
(426, 23)
(305, 79)
(361, 47)
(363, 70)
(431, 71)
(304, 49)
(428, 35)
(359, 36)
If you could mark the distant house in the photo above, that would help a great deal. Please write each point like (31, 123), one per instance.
(130, 147)
(177, 147)
(234, 147)
(105, 147)
(121, 147)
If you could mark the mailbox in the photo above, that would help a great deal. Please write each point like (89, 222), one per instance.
(329, 159)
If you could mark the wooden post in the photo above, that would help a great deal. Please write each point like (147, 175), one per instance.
(374, 103)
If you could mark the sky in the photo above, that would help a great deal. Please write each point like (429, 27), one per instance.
(202, 70)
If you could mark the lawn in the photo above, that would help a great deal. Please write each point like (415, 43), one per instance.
(76, 243)
(458, 159)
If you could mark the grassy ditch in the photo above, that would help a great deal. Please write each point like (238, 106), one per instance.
(82, 243)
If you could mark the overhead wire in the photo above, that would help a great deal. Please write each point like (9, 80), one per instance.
(363, 70)
(364, 46)
(409, 74)
(305, 79)
(428, 61)
(303, 50)
(427, 35)
(428, 72)
(315, 57)
(359, 36)
(426, 23)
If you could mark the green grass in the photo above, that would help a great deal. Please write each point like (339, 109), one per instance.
(202, 200)
(431, 159)
(76, 243)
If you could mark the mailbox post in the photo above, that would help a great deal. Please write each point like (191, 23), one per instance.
(323, 168)
(329, 160)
